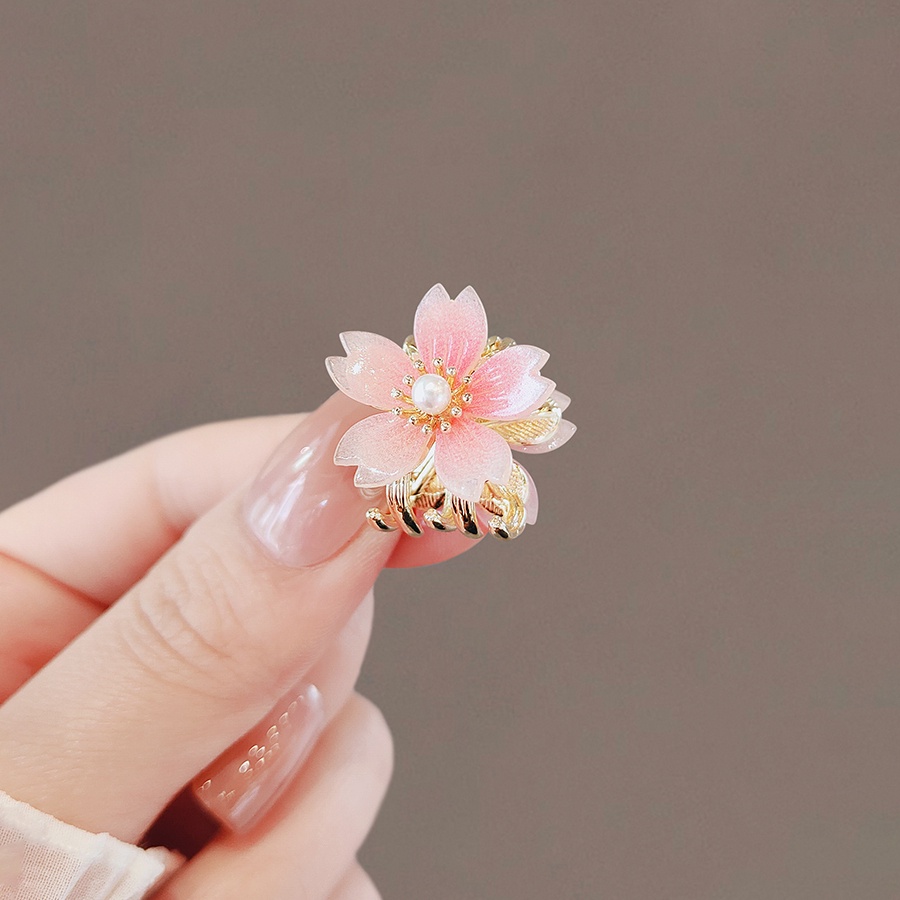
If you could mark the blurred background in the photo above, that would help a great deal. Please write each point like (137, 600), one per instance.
(684, 681)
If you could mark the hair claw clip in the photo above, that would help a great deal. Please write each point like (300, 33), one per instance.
(455, 403)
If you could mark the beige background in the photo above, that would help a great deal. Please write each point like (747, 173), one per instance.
(683, 683)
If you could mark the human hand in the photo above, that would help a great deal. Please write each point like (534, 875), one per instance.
(155, 608)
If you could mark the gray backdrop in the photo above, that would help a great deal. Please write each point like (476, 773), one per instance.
(683, 683)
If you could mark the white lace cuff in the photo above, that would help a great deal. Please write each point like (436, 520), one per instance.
(42, 858)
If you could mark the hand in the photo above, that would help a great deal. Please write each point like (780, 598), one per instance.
(158, 607)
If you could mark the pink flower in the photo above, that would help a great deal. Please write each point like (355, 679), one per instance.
(452, 392)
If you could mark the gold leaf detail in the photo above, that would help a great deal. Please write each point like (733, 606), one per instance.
(540, 426)
(507, 503)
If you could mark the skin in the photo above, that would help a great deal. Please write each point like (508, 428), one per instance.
(136, 538)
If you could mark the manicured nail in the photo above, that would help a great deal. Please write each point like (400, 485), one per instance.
(243, 784)
(303, 507)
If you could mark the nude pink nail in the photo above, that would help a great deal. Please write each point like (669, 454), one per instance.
(243, 784)
(303, 508)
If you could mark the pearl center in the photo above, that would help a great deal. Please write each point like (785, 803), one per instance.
(431, 394)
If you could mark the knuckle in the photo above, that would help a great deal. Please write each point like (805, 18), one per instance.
(375, 740)
(187, 621)
(360, 886)
(359, 625)
(368, 890)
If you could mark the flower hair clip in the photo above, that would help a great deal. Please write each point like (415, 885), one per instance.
(455, 403)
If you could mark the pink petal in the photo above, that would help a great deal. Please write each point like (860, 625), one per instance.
(373, 366)
(383, 446)
(561, 400)
(507, 386)
(469, 455)
(563, 433)
(454, 330)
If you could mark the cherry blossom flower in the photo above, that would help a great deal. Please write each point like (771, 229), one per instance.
(453, 392)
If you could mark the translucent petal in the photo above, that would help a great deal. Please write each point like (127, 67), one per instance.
(373, 366)
(469, 455)
(507, 385)
(383, 446)
(561, 400)
(565, 430)
(454, 330)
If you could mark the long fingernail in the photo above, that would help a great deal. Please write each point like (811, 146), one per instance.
(303, 507)
(243, 784)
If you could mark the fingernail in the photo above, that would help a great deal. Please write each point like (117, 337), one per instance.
(243, 784)
(303, 508)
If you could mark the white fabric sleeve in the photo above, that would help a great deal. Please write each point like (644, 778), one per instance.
(42, 858)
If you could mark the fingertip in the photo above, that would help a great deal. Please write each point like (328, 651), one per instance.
(430, 548)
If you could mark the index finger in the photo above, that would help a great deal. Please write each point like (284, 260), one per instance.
(100, 529)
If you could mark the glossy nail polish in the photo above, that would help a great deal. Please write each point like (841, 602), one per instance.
(243, 784)
(303, 508)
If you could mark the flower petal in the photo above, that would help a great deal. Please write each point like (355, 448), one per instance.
(507, 385)
(383, 447)
(565, 430)
(561, 400)
(454, 330)
(469, 455)
(373, 366)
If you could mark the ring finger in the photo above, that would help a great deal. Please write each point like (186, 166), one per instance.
(315, 831)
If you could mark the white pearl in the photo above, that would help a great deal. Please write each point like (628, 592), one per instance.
(431, 394)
